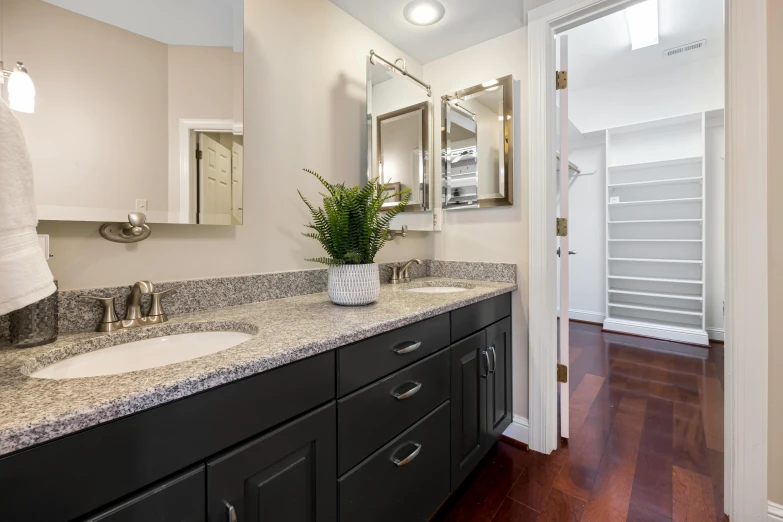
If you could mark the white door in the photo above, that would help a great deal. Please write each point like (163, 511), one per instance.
(237, 166)
(564, 286)
(215, 182)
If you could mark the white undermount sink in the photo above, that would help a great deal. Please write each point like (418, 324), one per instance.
(142, 355)
(437, 290)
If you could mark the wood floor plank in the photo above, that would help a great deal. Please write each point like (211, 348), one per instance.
(582, 400)
(652, 482)
(584, 456)
(513, 511)
(716, 475)
(693, 500)
(562, 507)
(533, 486)
(639, 513)
(711, 399)
(573, 354)
(611, 495)
(689, 449)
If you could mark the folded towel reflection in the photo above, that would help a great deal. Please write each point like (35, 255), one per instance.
(25, 277)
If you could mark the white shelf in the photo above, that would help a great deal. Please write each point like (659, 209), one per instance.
(650, 308)
(650, 260)
(656, 201)
(657, 240)
(659, 279)
(656, 221)
(687, 297)
(674, 181)
(656, 164)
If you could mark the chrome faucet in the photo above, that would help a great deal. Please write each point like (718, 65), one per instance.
(400, 274)
(134, 317)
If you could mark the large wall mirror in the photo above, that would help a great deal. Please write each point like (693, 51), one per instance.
(399, 130)
(138, 107)
(477, 158)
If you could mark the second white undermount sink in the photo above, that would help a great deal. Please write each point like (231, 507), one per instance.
(437, 290)
(142, 355)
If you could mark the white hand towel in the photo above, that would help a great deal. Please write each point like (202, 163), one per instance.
(25, 277)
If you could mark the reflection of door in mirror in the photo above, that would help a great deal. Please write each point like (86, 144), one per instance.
(400, 142)
(219, 178)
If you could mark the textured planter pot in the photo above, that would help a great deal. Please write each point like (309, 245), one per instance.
(353, 285)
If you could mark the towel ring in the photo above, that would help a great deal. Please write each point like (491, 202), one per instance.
(135, 230)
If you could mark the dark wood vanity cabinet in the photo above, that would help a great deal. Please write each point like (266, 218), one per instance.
(379, 430)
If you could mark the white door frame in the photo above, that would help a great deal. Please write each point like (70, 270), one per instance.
(182, 181)
(746, 239)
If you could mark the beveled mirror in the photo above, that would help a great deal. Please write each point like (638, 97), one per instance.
(477, 156)
(399, 130)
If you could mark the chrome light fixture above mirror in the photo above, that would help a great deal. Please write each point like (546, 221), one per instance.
(477, 146)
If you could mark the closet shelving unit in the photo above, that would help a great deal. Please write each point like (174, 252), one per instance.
(655, 229)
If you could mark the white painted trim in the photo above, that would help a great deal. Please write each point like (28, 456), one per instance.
(715, 334)
(683, 335)
(774, 512)
(584, 315)
(186, 126)
(519, 430)
(746, 324)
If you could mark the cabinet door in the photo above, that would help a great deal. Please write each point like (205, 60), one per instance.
(469, 370)
(177, 499)
(499, 391)
(288, 475)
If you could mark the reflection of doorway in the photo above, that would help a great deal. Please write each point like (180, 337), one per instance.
(218, 178)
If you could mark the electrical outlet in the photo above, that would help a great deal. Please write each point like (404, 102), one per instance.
(141, 205)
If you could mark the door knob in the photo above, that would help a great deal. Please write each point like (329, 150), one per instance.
(570, 252)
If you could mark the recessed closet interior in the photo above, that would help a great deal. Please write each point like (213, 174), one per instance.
(646, 182)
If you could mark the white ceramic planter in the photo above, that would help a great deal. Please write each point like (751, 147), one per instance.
(354, 285)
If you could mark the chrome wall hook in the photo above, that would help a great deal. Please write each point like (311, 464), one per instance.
(135, 230)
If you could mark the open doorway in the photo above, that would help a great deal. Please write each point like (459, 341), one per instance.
(640, 178)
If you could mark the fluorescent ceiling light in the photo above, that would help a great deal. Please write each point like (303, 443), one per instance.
(643, 24)
(489, 83)
(424, 12)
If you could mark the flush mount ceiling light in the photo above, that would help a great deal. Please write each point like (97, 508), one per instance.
(21, 91)
(424, 12)
(643, 24)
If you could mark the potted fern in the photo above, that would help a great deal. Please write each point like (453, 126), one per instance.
(352, 229)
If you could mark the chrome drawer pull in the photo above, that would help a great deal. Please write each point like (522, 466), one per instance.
(409, 393)
(486, 356)
(494, 359)
(408, 348)
(232, 514)
(409, 458)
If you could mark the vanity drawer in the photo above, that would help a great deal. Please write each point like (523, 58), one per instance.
(383, 490)
(372, 416)
(478, 316)
(366, 361)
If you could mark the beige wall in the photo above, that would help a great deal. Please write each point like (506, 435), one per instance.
(498, 234)
(99, 90)
(775, 227)
(304, 107)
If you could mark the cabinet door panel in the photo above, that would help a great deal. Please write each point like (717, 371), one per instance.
(499, 390)
(468, 405)
(287, 475)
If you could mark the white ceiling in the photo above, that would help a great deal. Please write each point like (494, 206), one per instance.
(601, 50)
(213, 23)
(465, 24)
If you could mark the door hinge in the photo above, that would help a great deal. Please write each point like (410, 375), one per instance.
(199, 154)
(561, 80)
(562, 227)
(562, 373)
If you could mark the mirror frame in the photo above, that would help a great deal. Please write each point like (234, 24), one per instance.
(507, 82)
(427, 141)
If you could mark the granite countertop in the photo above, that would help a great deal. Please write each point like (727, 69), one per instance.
(36, 410)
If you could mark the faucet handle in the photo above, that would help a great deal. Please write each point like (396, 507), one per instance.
(156, 308)
(109, 321)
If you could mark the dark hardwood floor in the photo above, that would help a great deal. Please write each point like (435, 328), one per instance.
(646, 444)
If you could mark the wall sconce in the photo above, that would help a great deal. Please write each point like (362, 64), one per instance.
(21, 91)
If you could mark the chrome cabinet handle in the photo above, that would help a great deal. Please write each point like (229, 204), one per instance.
(232, 513)
(410, 392)
(486, 356)
(494, 359)
(399, 463)
(408, 348)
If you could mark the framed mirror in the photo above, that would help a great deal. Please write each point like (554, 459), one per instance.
(399, 130)
(477, 156)
(138, 107)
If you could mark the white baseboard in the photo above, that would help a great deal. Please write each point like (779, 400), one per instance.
(519, 430)
(715, 334)
(584, 315)
(682, 335)
(774, 512)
